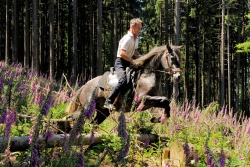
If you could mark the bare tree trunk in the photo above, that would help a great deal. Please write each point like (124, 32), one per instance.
(27, 34)
(35, 37)
(8, 30)
(91, 37)
(222, 56)
(51, 38)
(228, 66)
(186, 83)
(177, 31)
(14, 31)
(202, 72)
(115, 31)
(99, 38)
(70, 24)
(58, 140)
(74, 3)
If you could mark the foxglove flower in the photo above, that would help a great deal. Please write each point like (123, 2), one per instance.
(140, 107)
(92, 137)
(80, 162)
(208, 160)
(136, 97)
(91, 109)
(186, 150)
(48, 135)
(222, 160)
(10, 118)
(47, 105)
(122, 131)
(3, 116)
(146, 144)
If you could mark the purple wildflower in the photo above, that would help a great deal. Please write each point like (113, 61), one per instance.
(80, 160)
(140, 107)
(167, 165)
(186, 149)
(222, 160)
(48, 135)
(196, 158)
(1, 84)
(208, 160)
(32, 130)
(35, 161)
(92, 137)
(91, 109)
(10, 118)
(3, 116)
(136, 97)
(126, 150)
(211, 165)
(47, 105)
(122, 131)
(146, 144)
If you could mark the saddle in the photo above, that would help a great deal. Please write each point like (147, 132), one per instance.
(110, 79)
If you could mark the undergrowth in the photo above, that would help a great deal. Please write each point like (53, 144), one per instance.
(210, 137)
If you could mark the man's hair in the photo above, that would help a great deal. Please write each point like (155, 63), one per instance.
(135, 21)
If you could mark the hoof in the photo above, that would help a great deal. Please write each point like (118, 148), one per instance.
(155, 120)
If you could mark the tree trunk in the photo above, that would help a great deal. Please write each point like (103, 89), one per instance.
(58, 140)
(99, 38)
(51, 39)
(14, 31)
(8, 30)
(222, 57)
(186, 82)
(176, 42)
(228, 65)
(35, 37)
(27, 34)
(203, 72)
(91, 48)
(69, 47)
(115, 41)
(74, 25)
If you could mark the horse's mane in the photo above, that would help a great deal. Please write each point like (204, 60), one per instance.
(156, 51)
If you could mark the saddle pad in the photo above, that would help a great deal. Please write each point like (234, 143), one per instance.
(108, 81)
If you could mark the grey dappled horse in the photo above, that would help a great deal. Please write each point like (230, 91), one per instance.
(159, 61)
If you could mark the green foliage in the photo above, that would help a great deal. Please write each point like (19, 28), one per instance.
(243, 47)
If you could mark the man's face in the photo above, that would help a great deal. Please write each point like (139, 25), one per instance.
(136, 29)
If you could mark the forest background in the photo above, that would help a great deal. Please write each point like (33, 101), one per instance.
(79, 39)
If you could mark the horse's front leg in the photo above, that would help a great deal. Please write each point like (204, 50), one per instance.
(161, 102)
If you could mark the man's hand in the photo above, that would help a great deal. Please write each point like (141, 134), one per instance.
(136, 63)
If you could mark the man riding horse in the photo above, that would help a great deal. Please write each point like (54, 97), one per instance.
(127, 48)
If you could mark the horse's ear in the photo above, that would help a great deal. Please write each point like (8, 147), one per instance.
(169, 48)
(177, 46)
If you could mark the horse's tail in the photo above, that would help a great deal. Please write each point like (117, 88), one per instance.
(74, 102)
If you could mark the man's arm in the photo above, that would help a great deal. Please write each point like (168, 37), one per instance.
(125, 56)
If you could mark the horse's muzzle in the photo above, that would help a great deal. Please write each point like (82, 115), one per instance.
(177, 76)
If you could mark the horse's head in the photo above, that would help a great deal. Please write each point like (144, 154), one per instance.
(171, 61)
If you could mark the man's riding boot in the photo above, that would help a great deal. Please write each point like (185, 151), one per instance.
(110, 100)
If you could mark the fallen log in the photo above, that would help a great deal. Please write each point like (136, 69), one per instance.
(58, 140)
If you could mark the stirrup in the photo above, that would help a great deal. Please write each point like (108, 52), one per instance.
(109, 106)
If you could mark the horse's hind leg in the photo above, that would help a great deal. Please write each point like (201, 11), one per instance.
(101, 115)
(161, 102)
